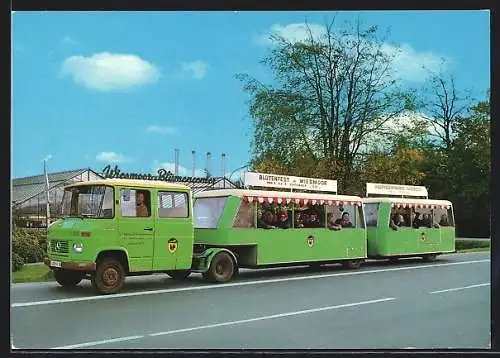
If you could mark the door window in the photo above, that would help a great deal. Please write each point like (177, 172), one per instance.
(135, 203)
(172, 204)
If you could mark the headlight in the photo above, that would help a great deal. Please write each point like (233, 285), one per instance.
(78, 247)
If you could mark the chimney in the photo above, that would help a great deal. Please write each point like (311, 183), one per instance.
(194, 163)
(208, 163)
(222, 165)
(176, 173)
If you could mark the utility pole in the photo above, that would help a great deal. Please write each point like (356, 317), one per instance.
(47, 208)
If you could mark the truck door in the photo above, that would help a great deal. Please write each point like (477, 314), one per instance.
(173, 246)
(136, 227)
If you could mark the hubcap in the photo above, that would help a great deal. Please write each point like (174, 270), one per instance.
(110, 276)
(219, 269)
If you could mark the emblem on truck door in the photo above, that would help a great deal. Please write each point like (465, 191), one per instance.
(310, 241)
(172, 245)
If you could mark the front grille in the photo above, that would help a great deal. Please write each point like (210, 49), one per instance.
(58, 246)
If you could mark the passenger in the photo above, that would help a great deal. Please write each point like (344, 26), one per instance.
(397, 221)
(344, 221)
(263, 220)
(284, 220)
(141, 209)
(417, 222)
(331, 223)
(426, 220)
(444, 220)
(299, 220)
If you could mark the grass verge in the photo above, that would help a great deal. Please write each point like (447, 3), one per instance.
(33, 273)
(476, 249)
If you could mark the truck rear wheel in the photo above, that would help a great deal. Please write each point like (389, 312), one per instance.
(179, 274)
(109, 276)
(221, 268)
(67, 278)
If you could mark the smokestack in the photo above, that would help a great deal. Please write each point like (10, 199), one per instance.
(176, 162)
(194, 163)
(222, 165)
(208, 163)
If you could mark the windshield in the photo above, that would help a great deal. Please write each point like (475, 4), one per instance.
(88, 201)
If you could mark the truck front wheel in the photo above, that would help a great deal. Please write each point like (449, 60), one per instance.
(67, 278)
(109, 276)
(221, 268)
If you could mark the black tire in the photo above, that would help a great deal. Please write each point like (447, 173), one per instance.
(221, 268)
(68, 278)
(109, 276)
(393, 260)
(352, 264)
(429, 257)
(179, 274)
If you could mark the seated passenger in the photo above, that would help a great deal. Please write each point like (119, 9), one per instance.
(331, 223)
(417, 222)
(344, 222)
(426, 220)
(397, 220)
(264, 220)
(284, 222)
(444, 220)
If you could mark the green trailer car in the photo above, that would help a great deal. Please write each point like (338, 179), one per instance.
(402, 222)
(260, 229)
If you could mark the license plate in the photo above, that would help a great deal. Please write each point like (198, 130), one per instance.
(55, 263)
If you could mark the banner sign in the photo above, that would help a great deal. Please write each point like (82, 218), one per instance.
(290, 182)
(397, 190)
(163, 175)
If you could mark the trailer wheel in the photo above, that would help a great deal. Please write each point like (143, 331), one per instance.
(179, 274)
(221, 268)
(430, 257)
(67, 278)
(352, 264)
(109, 276)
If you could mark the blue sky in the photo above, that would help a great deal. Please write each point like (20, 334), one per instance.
(91, 88)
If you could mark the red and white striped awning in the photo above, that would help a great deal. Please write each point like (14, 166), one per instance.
(299, 201)
(419, 206)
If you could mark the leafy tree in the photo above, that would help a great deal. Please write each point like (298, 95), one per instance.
(329, 94)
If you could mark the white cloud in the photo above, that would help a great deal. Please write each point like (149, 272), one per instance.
(108, 72)
(197, 69)
(47, 157)
(161, 130)
(293, 33)
(112, 158)
(412, 65)
(408, 63)
(183, 171)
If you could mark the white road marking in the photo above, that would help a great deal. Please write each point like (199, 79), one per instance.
(460, 288)
(230, 323)
(235, 284)
(96, 343)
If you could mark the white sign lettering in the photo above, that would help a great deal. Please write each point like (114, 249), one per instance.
(290, 182)
(393, 189)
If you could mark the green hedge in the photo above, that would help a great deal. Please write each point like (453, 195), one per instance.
(30, 245)
(470, 244)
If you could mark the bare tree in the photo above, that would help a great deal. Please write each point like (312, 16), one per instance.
(446, 105)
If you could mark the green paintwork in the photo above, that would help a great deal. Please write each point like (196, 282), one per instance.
(255, 246)
(407, 241)
(145, 250)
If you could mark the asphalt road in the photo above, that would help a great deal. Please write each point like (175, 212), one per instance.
(411, 304)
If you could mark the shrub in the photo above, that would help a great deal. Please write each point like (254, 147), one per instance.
(470, 244)
(29, 245)
(17, 262)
